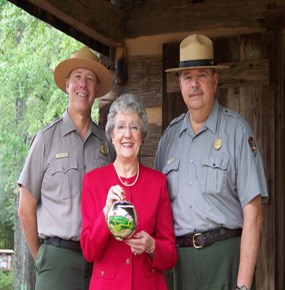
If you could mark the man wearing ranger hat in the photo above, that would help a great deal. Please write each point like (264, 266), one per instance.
(215, 180)
(50, 182)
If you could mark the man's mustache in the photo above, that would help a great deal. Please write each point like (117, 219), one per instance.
(196, 91)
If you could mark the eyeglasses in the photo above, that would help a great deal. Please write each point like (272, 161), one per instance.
(133, 127)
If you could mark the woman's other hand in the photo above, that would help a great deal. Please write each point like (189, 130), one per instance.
(141, 242)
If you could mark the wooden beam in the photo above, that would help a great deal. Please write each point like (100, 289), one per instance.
(165, 16)
(99, 20)
(275, 19)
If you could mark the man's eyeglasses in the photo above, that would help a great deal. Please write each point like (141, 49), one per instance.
(133, 127)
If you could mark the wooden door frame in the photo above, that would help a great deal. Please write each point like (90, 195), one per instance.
(280, 161)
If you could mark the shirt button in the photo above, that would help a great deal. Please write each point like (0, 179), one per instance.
(128, 261)
(153, 270)
(102, 273)
(191, 161)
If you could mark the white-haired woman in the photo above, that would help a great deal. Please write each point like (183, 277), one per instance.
(136, 263)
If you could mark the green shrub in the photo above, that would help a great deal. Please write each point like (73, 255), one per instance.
(6, 280)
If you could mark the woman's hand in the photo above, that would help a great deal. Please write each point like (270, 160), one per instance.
(115, 193)
(141, 242)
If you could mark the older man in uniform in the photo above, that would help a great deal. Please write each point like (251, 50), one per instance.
(216, 180)
(50, 182)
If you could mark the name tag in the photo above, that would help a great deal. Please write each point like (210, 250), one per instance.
(61, 155)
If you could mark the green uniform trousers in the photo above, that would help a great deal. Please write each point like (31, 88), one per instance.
(61, 269)
(214, 267)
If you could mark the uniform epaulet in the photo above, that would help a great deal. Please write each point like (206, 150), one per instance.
(239, 119)
(175, 121)
(235, 115)
(54, 122)
(44, 129)
(231, 113)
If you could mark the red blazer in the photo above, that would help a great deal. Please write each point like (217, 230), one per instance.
(115, 267)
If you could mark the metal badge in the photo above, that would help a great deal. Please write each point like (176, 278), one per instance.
(170, 160)
(62, 155)
(103, 149)
(218, 144)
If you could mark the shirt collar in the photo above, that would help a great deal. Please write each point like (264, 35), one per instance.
(68, 126)
(211, 122)
(185, 124)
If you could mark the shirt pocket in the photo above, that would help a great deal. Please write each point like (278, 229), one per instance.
(214, 174)
(65, 173)
(171, 171)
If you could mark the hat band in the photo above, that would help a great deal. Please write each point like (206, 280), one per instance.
(199, 62)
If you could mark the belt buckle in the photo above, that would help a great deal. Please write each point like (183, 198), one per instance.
(194, 241)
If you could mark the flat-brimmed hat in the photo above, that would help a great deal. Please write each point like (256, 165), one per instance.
(83, 58)
(196, 51)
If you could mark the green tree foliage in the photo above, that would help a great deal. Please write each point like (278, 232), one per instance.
(29, 99)
(6, 280)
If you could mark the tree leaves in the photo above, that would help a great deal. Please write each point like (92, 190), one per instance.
(29, 99)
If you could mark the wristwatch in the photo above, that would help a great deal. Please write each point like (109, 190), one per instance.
(243, 287)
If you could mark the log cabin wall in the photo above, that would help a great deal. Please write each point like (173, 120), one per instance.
(145, 80)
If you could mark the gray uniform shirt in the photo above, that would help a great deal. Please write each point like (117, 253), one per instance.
(53, 173)
(211, 175)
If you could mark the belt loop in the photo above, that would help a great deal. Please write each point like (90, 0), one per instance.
(57, 242)
(222, 231)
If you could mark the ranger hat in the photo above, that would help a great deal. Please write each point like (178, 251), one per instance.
(196, 51)
(83, 58)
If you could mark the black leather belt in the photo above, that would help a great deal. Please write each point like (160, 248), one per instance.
(200, 240)
(61, 243)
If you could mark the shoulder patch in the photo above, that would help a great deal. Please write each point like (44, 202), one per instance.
(175, 121)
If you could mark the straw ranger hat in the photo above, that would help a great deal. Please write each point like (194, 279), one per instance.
(196, 51)
(83, 58)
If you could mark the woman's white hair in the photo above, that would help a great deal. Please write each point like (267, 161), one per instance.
(126, 103)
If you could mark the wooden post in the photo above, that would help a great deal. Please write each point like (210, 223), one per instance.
(24, 272)
(121, 73)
